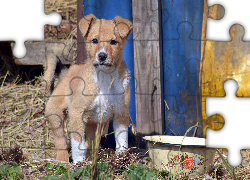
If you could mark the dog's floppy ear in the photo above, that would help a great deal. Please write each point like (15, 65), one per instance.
(85, 24)
(123, 26)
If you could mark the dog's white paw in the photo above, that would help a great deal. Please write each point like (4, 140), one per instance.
(78, 149)
(121, 137)
(120, 151)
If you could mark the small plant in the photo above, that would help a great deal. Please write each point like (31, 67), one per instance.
(49, 167)
(228, 167)
(60, 169)
(11, 172)
(81, 172)
(54, 171)
(142, 172)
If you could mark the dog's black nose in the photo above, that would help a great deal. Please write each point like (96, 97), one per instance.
(102, 56)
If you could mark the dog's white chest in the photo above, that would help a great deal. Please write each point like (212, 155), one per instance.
(110, 98)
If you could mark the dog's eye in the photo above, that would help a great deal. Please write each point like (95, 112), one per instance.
(113, 42)
(95, 41)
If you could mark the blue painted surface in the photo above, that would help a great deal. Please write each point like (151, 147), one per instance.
(181, 35)
(108, 9)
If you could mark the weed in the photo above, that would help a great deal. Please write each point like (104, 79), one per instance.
(49, 167)
(81, 172)
(60, 169)
(142, 172)
(11, 172)
(228, 167)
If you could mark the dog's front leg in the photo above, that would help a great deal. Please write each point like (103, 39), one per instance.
(77, 125)
(120, 124)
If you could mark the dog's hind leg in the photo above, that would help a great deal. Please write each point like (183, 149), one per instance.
(55, 114)
(53, 67)
(49, 73)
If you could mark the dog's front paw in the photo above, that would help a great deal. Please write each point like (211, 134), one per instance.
(78, 155)
(77, 159)
(120, 150)
(79, 150)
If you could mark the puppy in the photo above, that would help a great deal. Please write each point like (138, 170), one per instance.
(92, 92)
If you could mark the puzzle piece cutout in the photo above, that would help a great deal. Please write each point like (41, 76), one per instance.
(236, 116)
(24, 20)
(234, 13)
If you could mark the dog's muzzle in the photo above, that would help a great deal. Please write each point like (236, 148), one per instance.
(102, 56)
(103, 62)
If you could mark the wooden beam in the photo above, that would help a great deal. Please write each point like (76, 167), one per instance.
(147, 67)
(36, 53)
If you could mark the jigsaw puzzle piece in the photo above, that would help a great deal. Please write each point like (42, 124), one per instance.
(148, 69)
(181, 87)
(149, 118)
(146, 22)
(42, 53)
(112, 91)
(196, 12)
(55, 58)
(216, 12)
(33, 29)
(226, 138)
(176, 12)
(179, 111)
(222, 61)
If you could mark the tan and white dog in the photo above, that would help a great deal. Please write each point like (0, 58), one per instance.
(87, 92)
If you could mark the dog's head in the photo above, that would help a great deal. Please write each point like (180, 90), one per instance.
(105, 39)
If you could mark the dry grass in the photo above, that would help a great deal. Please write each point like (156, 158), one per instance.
(66, 32)
(66, 8)
(242, 171)
(21, 113)
(219, 171)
